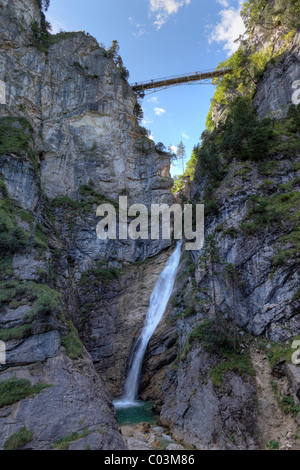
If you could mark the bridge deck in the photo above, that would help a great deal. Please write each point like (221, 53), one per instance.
(179, 79)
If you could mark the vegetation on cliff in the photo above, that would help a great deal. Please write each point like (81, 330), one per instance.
(271, 14)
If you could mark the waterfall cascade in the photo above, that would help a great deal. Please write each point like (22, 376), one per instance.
(158, 304)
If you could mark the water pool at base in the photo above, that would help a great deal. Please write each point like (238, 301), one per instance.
(141, 412)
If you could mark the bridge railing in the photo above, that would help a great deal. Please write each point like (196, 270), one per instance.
(171, 78)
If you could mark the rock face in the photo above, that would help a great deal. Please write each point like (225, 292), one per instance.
(207, 417)
(264, 295)
(203, 402)
(71, 143)
(279, 86)
(82, 113)
(75, 401)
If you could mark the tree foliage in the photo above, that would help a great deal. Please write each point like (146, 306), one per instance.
(244, 135)
(271, 14)
(138, 110)
(41, 31)
(113, 53)
(44, 4)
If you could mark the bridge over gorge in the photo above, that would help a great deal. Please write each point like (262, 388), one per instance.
(155, 85)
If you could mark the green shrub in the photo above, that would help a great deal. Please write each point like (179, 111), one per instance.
(273, 211)
(13, 390)
(220, 343)
(245, 137)
(189, 311)
(270, 15)
(279, 351)
(47, 302)
(232, 231)
(44, 300)
(20, 332)
(206, 334)
(272, 445)
(72, 343)
(100, 273)
(241, 363)
(15, 135)
(12, 237)
(289, 406)
(91, 198)
(18, 440)
(64, 442)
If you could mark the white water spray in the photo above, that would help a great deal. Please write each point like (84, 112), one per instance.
(158, 304)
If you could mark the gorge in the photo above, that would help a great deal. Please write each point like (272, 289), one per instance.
(73, 307)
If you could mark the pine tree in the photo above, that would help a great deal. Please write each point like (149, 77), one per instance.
(181, 154)
(113, 50)
(44, 4)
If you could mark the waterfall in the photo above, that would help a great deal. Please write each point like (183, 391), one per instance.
(158, 303)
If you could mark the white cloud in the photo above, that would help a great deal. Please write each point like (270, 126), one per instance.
(141, 31)
(223, 3)
(164, 8)
(229, 29)
(185, 136)
(159, 111)
(173, 148)
(153, 99)
(150, 136)
(146, 121)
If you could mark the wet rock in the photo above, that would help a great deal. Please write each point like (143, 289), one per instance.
(127, 431)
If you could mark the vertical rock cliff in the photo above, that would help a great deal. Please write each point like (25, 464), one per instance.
(70, 303)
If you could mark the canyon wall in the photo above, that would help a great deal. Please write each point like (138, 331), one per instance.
(69, 142)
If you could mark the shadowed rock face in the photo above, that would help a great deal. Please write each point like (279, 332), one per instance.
(264, 295)
(74, 401)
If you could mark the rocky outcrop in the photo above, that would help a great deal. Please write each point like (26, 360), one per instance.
(82, 113)
(207, 417)
(73, 403)
(280, 82)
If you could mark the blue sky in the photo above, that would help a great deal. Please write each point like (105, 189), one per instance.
(161, 38)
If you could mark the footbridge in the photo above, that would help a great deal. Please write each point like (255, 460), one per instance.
(192, 78)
